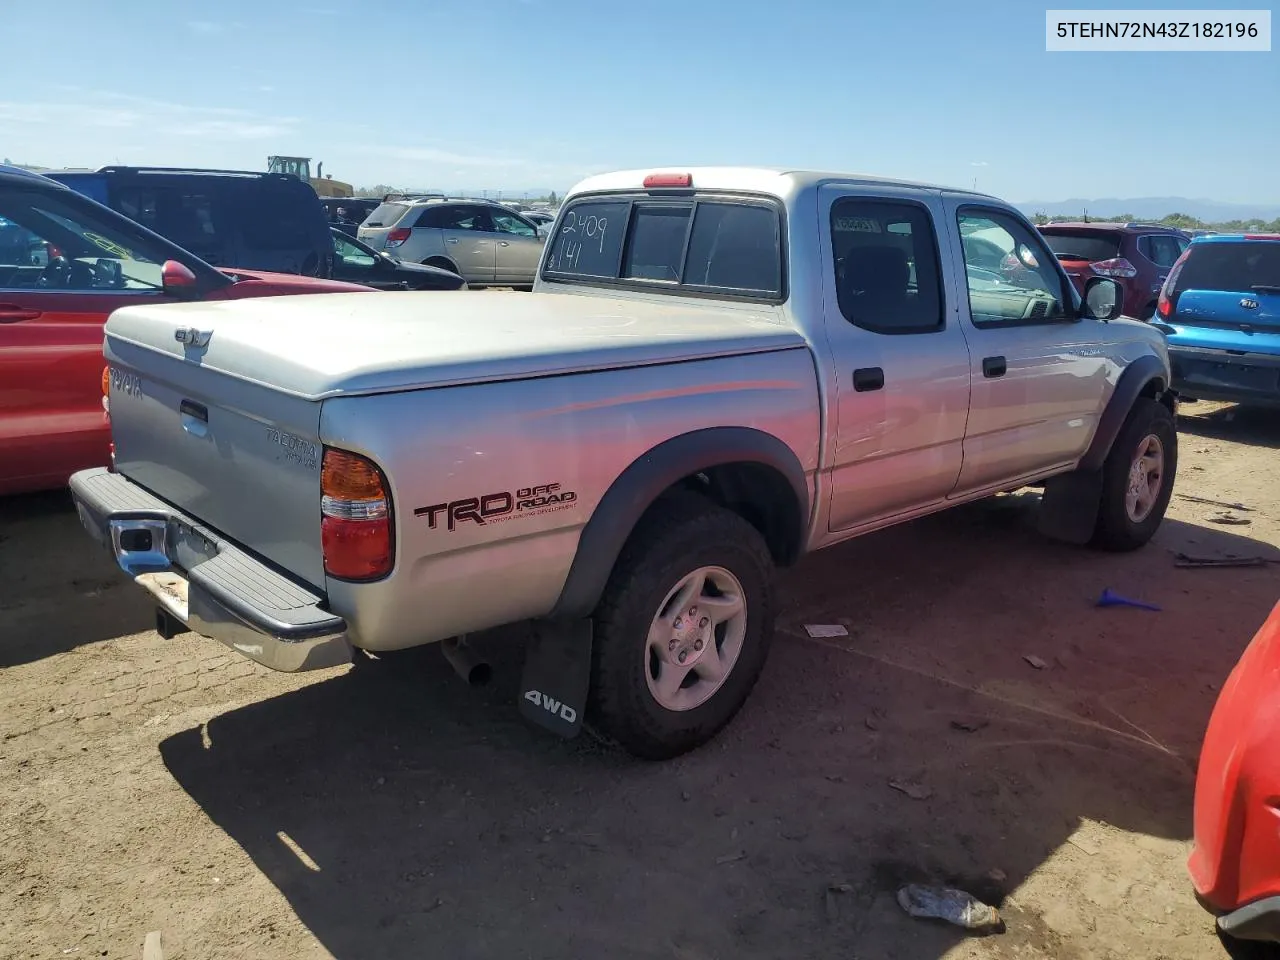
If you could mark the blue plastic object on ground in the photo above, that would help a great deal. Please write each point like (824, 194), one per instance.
(1111, 599)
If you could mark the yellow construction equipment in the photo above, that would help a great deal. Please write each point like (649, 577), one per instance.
(300, 167)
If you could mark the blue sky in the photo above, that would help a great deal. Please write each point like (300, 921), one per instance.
(538, 93)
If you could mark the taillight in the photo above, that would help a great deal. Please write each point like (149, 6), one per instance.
(355, 522)
(1168, 301)
(106, 393)
(398, 236)
(1117, 267)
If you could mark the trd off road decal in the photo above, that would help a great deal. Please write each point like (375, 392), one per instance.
(499, 507)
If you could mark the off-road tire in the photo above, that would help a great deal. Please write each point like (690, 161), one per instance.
(1115, 530)
(675, 538)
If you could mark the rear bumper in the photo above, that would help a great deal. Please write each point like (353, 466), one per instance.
(1259, 920)
(1223, 375)
(210, 585)
(1235, 861)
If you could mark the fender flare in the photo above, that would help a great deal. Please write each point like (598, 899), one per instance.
(1129, 387)
(641, 483)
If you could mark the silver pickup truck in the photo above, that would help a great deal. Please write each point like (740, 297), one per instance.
(718, 371)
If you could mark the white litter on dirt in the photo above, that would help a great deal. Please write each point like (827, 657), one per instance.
(297, 851)
(821, 631)
(151, 949)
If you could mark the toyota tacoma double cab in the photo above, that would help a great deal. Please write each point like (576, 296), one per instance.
(719, 371)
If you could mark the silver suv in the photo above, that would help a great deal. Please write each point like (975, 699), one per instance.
(488, 244)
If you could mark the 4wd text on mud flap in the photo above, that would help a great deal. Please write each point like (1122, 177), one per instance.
(491, 507)
(551, 705)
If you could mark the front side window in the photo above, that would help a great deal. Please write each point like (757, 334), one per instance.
(886, 265)
(1026, 287)
(711, 246)
(510, 223)
(48, 243)
(350, 253)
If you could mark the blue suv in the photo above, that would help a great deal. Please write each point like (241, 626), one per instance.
(1220, 309)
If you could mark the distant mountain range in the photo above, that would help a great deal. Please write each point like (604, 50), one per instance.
(1152, 208)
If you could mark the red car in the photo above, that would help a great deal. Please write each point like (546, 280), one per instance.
(1138, 256)
(66, 262)
(1235, 865)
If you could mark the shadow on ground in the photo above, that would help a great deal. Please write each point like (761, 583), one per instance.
(1255, 426)
(43, 548)
(432, 822)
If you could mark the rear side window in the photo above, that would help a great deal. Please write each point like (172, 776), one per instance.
(453, 217)
(1234, 267)
(701, 245)
(1161, 249)
(386, 215)
(273, 219)
(886, 262)
(1093, 245)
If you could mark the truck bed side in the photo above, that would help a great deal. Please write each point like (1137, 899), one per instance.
(493, 484)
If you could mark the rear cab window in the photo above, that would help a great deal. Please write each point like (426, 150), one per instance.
(709, 245)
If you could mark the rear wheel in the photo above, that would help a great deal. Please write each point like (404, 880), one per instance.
(683, 629)
(1137, 478)
(441, 263)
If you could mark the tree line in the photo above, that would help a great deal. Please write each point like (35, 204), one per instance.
(1179, 221)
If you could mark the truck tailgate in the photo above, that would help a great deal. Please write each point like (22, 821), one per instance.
(239, 456)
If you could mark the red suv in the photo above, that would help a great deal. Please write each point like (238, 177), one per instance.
(66, 262)
(1136, 255)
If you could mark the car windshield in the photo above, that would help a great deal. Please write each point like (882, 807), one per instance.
(1236, 267)
(1091, 245)
(53, 241)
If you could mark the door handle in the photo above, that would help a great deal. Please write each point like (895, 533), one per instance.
(503, 243)
(195, 418)
(868, 378)
(450, 239)
(12, 313)
(994, 367)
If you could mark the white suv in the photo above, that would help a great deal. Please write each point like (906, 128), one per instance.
(488, 244)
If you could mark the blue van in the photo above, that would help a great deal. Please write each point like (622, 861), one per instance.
(1220, 309)
(229, 218)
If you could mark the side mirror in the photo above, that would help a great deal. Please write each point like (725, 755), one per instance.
(177, 280)
(1103, 299)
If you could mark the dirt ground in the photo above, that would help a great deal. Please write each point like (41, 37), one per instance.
(152, 785)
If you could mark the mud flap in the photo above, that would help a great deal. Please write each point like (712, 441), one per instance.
(557, 676)
(1069, 507)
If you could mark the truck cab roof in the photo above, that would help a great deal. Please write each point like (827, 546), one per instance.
(773, 181)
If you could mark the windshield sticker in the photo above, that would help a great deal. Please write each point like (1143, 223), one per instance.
(857, 225)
